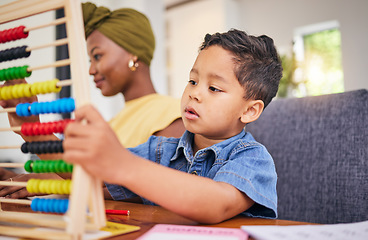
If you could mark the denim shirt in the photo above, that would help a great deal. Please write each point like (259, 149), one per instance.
(239, 161)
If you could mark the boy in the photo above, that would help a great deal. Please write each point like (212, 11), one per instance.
(233, 78)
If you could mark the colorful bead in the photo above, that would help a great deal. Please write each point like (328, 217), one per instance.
(14, 53)
(14, 73)
(46, 147)
(48, 128)
(49, 186)
(50, 205)
(47, 166)
(13, 34)
(63, 105)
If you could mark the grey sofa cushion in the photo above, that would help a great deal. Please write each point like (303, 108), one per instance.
(320, 148)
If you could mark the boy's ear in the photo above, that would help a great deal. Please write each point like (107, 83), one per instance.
(253, 110)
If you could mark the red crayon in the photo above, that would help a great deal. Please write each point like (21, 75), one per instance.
(120, 212)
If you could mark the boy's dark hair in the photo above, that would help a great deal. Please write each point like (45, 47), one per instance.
(257, 64)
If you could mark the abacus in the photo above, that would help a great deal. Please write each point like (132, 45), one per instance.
(84, 192)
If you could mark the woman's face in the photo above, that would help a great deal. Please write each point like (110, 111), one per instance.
(109, 64)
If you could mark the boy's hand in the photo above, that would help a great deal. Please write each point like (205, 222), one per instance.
(90, 142)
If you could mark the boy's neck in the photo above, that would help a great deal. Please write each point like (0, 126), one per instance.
(201, 142)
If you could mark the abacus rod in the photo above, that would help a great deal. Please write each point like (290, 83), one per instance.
(12, 165)
(53, 23)
(52, 44)
(59, 63)
(16, 201)
(64, 83)
(8, 183)
(22, 9)
(10, 147)
(15, 129)
(8, 110)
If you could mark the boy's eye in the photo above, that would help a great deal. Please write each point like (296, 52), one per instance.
(192, 82)
(213, 89)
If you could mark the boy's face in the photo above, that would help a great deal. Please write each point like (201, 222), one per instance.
(212, 102)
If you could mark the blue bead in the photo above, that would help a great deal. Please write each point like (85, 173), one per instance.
(58, 106)
(22, 109)
(63, 105)
(65, 206)
(34, 204)
(34, 108)
(71, 105)
(49, 108)
(44, 107)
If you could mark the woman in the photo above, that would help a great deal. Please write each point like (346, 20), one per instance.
(120, 45)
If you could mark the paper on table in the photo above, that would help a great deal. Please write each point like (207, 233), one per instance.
(343, 231)
(180, 232)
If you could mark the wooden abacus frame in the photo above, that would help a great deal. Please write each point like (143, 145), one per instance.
(86, 191)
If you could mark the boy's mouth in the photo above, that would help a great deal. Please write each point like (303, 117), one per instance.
(190, 113)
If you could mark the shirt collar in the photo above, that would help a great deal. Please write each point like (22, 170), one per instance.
(185, 145)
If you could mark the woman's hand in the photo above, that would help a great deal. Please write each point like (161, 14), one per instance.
(16, 192)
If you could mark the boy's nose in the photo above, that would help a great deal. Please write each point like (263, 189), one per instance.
(195, 94)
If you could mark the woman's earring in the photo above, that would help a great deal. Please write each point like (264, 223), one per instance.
(132, 65)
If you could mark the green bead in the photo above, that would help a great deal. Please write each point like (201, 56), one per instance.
(2, 77)
(17, 74)
(28, 166)
(36, 166)
(6, 74)
(10, 73)
(25, 73)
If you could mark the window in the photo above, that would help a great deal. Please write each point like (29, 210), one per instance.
(316, 65)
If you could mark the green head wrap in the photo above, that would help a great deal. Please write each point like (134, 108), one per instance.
(127, 27)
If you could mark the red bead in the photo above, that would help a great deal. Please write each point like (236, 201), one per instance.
(1, 37)
(13, 34)
(26, 129)
(21, 33)
(47, 130)
(41, 129)
(36, 128)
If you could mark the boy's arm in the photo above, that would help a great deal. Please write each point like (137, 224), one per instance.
(97, 149)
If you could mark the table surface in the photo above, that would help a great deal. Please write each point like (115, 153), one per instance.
(147, 216)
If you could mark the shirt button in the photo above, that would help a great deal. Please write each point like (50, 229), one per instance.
(194, 173)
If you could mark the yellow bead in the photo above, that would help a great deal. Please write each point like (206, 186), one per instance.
(35, 88)
(27, 90)
(54, 187)
(6, 93)
(44, 186)
(53, 86)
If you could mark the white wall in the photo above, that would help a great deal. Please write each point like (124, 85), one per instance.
(186, 27)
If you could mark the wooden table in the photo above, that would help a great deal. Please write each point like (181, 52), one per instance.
(147, 216)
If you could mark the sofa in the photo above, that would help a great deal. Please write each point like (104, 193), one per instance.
(320, 148)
